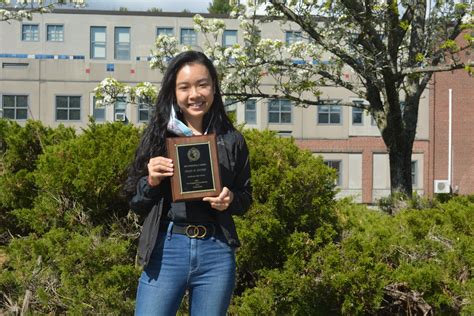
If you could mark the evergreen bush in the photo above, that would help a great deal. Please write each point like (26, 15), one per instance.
(418, 261)
(303, 252)
(77, 253)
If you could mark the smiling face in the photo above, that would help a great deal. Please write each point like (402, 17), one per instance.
(194, 92)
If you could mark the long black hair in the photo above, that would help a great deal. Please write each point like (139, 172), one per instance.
(153, 141)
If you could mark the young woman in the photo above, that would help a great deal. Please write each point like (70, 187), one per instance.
(189, 103)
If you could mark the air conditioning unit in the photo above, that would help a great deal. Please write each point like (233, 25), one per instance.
(120, 117)
(441, 186)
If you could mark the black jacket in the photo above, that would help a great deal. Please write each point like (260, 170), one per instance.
(152, 202)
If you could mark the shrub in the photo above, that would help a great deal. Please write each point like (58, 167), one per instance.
(418, 260)
(88, 170)
(87, 271)
(78, 255)
(293, 192)
(20, 147)
(302, 252)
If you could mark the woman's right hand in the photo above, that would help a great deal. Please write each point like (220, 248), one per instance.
(158, 169)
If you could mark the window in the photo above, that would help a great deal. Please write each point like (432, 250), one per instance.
(292, 37)
(251, 111)
(30, 32)
(144, 112)
(230, 106)
(329, 114)
(414, 170)
(15, 107)
(279, 111)
(55, 33)
(336, 165)
(98, 42)
(229, 38)
(15, 65)
(284, 133)
(357, 115)
(68, 108)
(120, 107)
(165, 31)
(188, 37)
(98, 113)
(122, 43)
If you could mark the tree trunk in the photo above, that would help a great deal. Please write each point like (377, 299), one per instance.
(399, 136)
(400, 170)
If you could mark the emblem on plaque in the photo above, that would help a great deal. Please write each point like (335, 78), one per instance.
(193, 154)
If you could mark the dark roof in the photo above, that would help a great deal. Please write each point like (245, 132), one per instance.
(138, 13)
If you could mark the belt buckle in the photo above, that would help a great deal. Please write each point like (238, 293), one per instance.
(196, 231)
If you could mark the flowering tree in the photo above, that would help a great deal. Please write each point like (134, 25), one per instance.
(110, 89)
(392, 46)
(24, 9)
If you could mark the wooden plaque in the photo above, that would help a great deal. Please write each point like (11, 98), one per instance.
(196, 167)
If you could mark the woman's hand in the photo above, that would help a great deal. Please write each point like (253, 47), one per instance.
(222, 202)
(158, 169)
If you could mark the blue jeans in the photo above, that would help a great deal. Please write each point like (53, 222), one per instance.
(205, 267)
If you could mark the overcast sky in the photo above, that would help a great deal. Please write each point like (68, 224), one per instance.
(143, 5)
(196, 6)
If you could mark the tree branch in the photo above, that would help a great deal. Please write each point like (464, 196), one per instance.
(361, 15)
(305, 102)
(441, 53)
(438, 68)
(311, 30)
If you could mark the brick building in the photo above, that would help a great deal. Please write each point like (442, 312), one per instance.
(462, 148)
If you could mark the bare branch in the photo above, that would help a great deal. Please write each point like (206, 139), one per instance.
(439, 68)
(243, 96)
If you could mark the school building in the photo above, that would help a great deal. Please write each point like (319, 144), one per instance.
(51, 64)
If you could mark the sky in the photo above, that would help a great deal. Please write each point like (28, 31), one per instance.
(198, 6)
(195, 6)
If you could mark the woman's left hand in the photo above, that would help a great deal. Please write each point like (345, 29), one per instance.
(221, 202)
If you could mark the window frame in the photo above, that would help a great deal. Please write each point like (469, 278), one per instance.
(360, 112)
(48, 38)
(147, 108)
(122, 46)
(94, 44)
(15, 107)
(329, 163)
(230, 105)
(68, 108)
(158, 28)
(95, 108)
(280, 112)
(224, 44)
(414, 173)
(290, 37)
(121, 99)
(181, 36)
(247, 111)
(329, 114)
(23, 32)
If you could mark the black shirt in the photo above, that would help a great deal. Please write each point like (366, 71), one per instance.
(235, 175)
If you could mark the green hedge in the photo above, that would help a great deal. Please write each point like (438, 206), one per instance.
(71, 242)
(418, 261)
